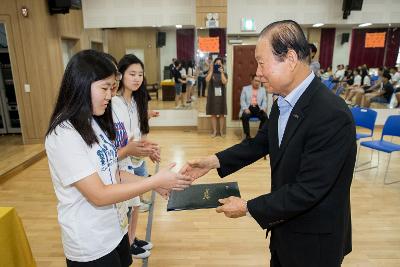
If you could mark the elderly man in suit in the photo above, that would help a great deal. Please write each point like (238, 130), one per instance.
(253, 103)
(310, 137)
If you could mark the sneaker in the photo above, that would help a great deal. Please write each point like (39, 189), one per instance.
(138, 252)
(143, 244)
(144, 207)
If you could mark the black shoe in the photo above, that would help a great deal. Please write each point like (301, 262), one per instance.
(138, 252)
(143, 244)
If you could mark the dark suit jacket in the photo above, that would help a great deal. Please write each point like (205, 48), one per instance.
(308, 209)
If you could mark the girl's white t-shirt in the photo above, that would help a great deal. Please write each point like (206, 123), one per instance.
(367, 81)
(183, 73)
(357, 80)
(190, 73)
(88, 232)
(126, 122)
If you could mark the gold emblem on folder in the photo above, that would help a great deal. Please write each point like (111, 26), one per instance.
(206, 195)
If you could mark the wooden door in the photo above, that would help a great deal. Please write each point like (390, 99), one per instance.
(244, 64)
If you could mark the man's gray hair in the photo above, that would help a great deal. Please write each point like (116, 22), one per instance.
(284, 35)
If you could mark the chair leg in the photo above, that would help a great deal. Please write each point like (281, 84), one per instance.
(387, 168)
(357, 156)
(356, 169)
(367, 162)
(377, 167)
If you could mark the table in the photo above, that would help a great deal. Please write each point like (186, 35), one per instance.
(168, 90)
(14, 246)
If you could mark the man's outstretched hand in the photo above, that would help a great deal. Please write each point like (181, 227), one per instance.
(200, 167)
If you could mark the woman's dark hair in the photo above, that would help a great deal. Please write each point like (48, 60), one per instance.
(218, 58)
(386, 74)
(190, 64)
(177, 62)
(74, 102)
(140, 96)
(110, 57)
(284, 35)
(313, 48)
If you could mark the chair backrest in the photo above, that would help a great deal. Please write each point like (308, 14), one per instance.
(254, 118)
(392, 126)
(328, 84)
(364, 117)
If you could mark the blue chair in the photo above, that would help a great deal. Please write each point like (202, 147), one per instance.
(329, 84)
(391, 128)
(365, 118)
(254, 119)
(374, 78)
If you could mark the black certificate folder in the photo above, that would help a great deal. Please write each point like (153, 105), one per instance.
(202, 196)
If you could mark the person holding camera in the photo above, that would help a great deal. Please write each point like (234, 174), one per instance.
(216, 95)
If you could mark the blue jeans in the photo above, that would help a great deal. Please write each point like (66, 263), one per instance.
(141, 170)
(178, 88)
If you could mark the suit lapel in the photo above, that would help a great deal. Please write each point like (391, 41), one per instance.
(296, 117)
(273, 132)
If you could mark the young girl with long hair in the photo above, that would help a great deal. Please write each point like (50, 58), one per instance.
(83, 163)
(130, 114)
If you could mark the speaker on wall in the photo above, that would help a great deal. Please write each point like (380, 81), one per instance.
(345, 37)
(161, 36)
(349, 5)
(63, 6)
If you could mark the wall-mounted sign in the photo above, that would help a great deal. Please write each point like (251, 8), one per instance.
(209, 44)
(247, 25)
(212, 20)
(374, 40)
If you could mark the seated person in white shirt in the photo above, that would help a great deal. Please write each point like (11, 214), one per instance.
(360, 93)
(339, 74)
(363, 88)
(356, 83)
(253, 103)
(395, 80)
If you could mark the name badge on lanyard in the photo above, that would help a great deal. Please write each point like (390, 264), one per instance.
(217, 91)
(122, 210)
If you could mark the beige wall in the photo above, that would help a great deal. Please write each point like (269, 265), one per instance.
(36, 58)
(203, 7)
(131, 38)
(314, 36)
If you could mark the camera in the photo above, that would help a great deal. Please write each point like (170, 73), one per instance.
(216, 68)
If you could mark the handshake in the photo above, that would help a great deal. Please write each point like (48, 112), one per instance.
(232, 207)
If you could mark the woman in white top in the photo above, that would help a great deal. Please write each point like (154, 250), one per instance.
(130, 116)
(183, 73)
(84, 166)
(190, 78)
(361, 85)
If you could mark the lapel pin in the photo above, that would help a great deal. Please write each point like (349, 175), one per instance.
(296, 116)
